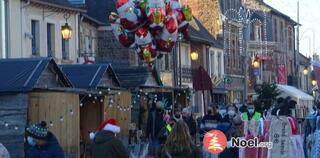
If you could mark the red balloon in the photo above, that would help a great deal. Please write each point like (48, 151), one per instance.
(123, 37)
(168, 35)
(143, 36)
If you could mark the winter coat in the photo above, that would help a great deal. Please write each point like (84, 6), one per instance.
(4, 152)
(209, 122)
(155, 123)
(163, 153)
(50, 150)
(106, 145)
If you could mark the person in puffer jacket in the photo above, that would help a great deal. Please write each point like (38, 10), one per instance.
(42, 143)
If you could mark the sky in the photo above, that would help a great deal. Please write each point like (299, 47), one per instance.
(309, 19)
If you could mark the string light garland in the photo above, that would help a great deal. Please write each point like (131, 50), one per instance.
(121, 108)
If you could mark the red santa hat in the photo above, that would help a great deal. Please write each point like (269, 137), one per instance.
(107, 125)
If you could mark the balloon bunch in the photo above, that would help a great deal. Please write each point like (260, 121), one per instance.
(149, 26)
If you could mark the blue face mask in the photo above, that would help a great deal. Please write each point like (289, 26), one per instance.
(31, 141)
(222, 112)
(231, 113)
(251, 111)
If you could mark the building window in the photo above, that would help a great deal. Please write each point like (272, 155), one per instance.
(233, 47)
(257, 32)
(211, 63)
(166, 62)
(35, 43)
(65, 49)
(219, 65)
(275, 29)
(185, 55)
(50, 39)
(290, 39)
(88, 44)
(281, 32)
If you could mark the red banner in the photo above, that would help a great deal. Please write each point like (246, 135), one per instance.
(282, 74)
(264, 57)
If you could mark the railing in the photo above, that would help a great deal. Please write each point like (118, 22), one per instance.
(186, 72)
(87, 53)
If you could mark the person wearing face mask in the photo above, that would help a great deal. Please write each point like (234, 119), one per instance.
(231, 126)
(251, 121)
(43, 144)
(223, 112)
(155, 124)
(209, 121)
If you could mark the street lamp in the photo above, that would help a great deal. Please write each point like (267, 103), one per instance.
(313, 82)
(180, 37)
(194, 56)
(256, 64)
(305, 71)
(66, 30)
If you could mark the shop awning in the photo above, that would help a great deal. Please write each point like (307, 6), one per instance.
(302, 98)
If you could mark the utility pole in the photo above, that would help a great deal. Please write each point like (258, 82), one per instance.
(296, 57)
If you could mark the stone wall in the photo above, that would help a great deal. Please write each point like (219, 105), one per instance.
(110, 50)
(13, 119)
(208, 12)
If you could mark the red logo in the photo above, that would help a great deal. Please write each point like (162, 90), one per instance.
(215, 141)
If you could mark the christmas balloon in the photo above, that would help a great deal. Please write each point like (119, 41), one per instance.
(129, 14)
(147, 52)
(123, 37)
(186, 10)
(182, 23)
(143, 36)
(173, 5)
(156, 13)
(168, 36)
(150, 25)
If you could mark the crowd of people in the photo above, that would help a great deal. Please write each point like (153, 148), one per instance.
(228, 119)
(180, 134)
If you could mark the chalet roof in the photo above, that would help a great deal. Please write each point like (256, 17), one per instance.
(135, 76)
(199, 33)
(21, 75)
(88, 76)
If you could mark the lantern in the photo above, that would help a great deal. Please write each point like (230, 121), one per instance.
(313, 82)
(194, 56)
(66, 31)
(305, 71)
(256, 64)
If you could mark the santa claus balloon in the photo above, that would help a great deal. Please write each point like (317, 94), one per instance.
(168, 35)
(129, 14)
(150, 25)
(156, 13)
(125, 38)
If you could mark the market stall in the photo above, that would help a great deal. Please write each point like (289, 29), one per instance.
(34, 90)
(304, 100)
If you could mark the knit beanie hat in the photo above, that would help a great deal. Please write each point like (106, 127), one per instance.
(38, 130)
